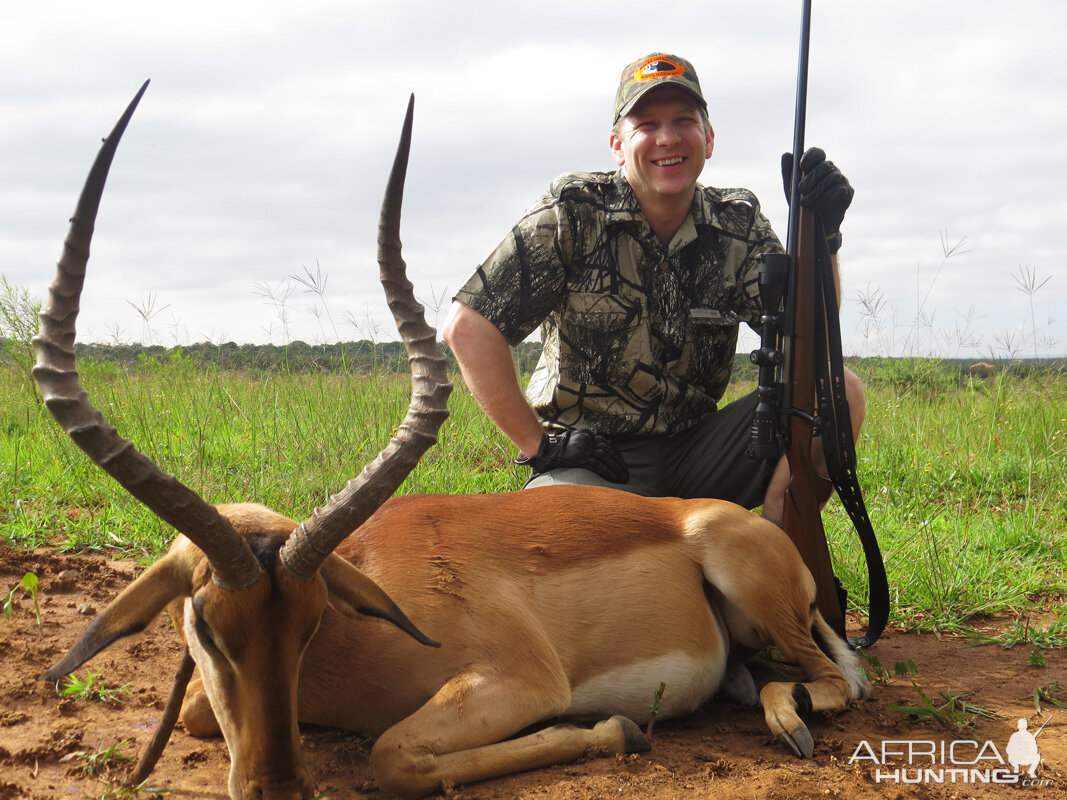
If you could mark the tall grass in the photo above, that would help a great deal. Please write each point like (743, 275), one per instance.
(964, 479)
(963, 476)
(287, 441)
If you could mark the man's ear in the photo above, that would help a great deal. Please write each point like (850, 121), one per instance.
(710, 142)
(615, 143)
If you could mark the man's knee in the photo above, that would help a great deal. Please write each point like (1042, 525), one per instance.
(576, 476)
(857, 400)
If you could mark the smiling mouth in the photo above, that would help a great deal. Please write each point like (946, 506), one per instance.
(669, 162)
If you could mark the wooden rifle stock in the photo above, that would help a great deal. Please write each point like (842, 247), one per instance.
(807, 489)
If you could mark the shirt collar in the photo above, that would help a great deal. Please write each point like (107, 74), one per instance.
(624, 208)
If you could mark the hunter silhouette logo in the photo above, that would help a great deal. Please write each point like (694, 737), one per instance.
(1022, 748)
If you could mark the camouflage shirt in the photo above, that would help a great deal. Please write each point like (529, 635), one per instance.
(639, 337)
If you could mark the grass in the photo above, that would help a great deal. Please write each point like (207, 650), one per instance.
(104, 759)
(92, 688)
(962, 475)
(1050, 693)
(950, 711)
(962, 479)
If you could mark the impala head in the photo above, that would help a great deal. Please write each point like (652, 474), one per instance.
(252, 584)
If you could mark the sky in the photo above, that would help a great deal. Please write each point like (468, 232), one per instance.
(260, 151)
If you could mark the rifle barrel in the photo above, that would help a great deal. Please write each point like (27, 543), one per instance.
(799, 121)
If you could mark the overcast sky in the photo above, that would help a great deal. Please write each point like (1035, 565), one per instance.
(262, 146)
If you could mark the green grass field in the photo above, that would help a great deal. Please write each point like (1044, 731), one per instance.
(963, 476)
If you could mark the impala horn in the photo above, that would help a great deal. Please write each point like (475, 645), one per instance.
(233, 565)
(314, 539)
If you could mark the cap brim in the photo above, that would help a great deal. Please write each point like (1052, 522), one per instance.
(659, 84)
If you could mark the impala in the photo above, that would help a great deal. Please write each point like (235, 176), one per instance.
(568, 602)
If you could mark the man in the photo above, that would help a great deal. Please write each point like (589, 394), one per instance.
(638, 280)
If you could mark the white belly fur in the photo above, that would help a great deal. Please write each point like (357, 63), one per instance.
(631, 690)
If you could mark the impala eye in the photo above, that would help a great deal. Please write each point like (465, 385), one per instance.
(203, 631)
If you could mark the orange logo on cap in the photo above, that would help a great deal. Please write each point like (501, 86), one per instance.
(658, 67)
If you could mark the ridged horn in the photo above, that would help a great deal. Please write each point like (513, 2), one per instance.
(316, 538)
(233, 565)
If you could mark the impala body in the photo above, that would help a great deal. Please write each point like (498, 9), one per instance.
(555, 602)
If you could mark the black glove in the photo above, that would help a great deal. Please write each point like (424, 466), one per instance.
(823, 188)
(578, 448)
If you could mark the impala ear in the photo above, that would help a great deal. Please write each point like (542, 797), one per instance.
(129, 613)
(353, 593)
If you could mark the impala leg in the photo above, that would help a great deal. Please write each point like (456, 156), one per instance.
(197, 716)
(771, 600)
(825, 688)
(456, 737)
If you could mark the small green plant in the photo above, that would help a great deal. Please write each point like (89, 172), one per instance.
(90, 688)
(879, 675)
(28, 584)
(104, 758)
(903, 668)
(657, 703)
(325, 793)
(120, 791)
(953, 713)
(1050, 692)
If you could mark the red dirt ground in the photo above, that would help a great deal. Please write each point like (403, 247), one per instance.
(722, 751)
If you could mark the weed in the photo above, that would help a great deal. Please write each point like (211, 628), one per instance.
(18, 326)
(879, 675)
(91, 689)
(953, 713)
(1049, 692)
(1039, 637)
(1026, 281)
(902, 668)
(104, 759)
(147, 311)
(119, 791)
(28, 584)
(873, 669)
(657, 703)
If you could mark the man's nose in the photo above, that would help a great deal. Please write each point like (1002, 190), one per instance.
(668, 134)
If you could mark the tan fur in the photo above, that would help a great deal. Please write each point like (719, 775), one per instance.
(547, 603)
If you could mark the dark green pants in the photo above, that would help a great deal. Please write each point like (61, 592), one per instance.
(708, 460)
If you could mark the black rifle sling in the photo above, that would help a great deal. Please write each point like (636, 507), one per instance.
(839, 445)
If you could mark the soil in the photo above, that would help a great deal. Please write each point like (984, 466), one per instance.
(722, 751)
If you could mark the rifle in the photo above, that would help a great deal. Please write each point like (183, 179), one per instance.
(800, 364)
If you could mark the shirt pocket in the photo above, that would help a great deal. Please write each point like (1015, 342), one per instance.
(708, 356)
(604, 342)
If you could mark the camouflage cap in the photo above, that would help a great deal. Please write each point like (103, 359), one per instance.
(651, 72)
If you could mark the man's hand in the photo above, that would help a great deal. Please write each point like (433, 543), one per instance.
(824, 189)
(578, 448)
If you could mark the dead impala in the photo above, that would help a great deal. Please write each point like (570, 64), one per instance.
(548, 603)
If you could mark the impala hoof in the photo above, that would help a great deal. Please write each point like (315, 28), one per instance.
(799, 741)
(636, 741)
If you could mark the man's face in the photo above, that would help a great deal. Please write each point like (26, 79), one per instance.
(662, 145)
